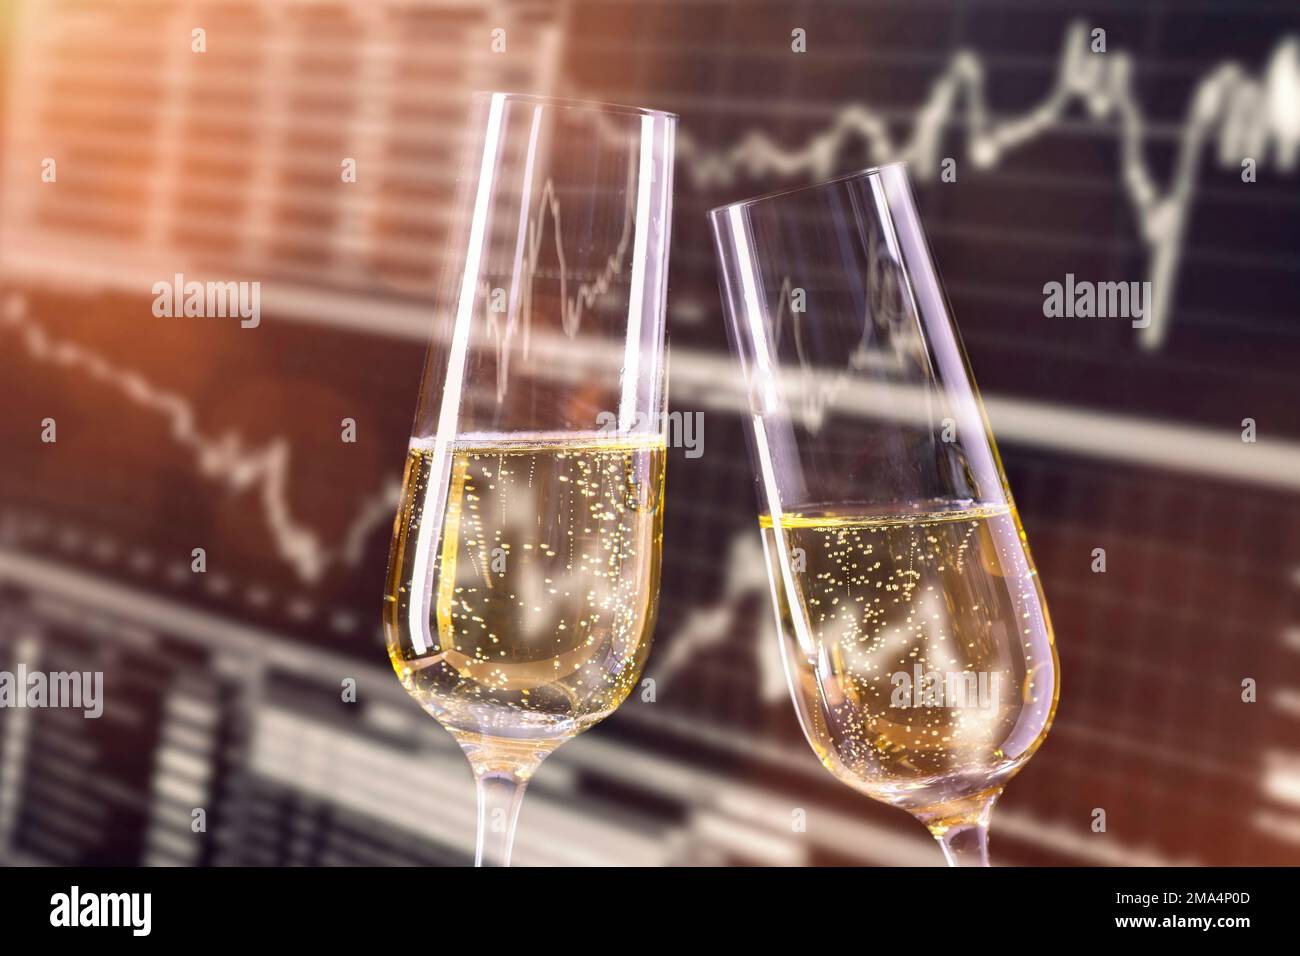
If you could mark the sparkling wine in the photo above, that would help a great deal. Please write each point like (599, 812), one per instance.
(524, 580)
(917, 646)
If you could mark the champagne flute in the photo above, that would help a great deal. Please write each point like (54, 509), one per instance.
(916, 641)
(524, 574)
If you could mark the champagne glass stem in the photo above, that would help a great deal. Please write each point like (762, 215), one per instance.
(962, 827)
(966, 845)
(500, 796)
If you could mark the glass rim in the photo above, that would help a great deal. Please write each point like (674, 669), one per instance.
(820, 184)
(567, 103)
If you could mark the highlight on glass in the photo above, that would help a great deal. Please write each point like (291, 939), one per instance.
(524, 572)
(915, 638)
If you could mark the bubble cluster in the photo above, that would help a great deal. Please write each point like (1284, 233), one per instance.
(544, 580)
(920, 655)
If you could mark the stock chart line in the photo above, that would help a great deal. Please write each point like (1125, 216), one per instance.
(1257, 117)
(586, 294)
(226, 458)
(1245, 116)
(229, 459)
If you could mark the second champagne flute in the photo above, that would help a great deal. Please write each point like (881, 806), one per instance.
(524, 572)
(914, 634)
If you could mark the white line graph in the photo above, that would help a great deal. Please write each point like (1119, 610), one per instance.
(1237, 111)
(1251, 116)
(266, 468)
(225, 458)
(1242, 115)
(588, 293)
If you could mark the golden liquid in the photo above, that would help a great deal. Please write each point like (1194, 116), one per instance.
(523, 583)
(918, 649)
